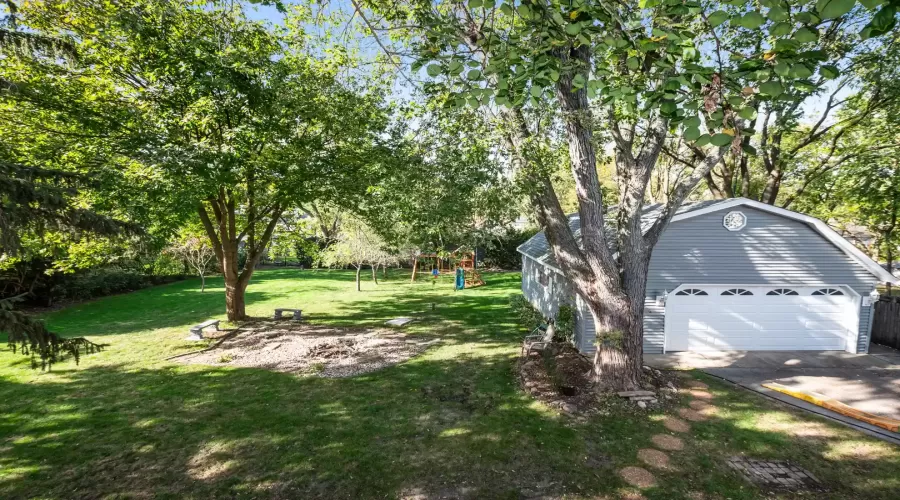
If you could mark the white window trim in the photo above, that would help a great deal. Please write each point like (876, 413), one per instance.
(852, 343)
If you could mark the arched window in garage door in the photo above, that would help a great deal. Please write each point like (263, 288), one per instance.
(691, 291)
(828, 291)
(783, 291)
(737, 291)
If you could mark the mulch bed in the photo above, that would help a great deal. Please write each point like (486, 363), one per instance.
(560, 376)
(330, 352)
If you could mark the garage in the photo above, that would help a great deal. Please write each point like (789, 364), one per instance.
(761, 318)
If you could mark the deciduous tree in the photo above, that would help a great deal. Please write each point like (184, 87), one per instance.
(641, 72)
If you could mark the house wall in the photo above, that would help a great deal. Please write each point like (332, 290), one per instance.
(545, 298)
(770, 250)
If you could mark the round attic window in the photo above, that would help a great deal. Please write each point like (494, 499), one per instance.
(734, 221)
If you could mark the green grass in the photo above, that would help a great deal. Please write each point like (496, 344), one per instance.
(452, 422)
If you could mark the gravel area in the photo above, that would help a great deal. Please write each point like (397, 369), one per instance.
(325, 351)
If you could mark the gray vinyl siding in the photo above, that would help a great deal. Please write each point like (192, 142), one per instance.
(545, 299)
(770, 250)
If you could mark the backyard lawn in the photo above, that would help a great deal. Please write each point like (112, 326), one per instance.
(450, 423)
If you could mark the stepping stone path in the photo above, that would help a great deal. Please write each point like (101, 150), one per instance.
(638, 477)
(653, 458)
(692, 415)
(667, 442)
(700, 405)
(675, 424)
(699, 410)
(700, 393)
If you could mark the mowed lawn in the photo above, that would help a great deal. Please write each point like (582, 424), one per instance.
(451, 423)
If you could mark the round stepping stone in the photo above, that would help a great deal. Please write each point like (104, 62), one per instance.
(637, 477)
(700, 405)
(692, 415)
(667, 442)
(696, 384)
(675, 424)
(700, 393)
(653, 458)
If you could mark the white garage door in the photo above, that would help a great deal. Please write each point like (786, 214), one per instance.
(770, 318)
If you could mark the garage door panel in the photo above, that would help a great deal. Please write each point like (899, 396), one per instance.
(760, 321)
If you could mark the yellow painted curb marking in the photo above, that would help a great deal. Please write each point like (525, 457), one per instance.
(835, 405)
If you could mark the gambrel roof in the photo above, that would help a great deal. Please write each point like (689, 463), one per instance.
(538, 248)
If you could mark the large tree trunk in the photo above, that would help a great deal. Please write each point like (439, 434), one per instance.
(358, 270)
(374, 273)
(225, 239)
(202, 283)
(235, 305)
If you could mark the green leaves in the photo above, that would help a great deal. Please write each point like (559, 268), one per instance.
(806, 35)
(776, 14)
(691, 133)
(716, 18)
(800, 71)
(433, 70)
(633, 63)
(573, 29)
(781, 29)
(747, 113)
(829, 71)
(830, 9)
(750, 20)
(883, 22)
(721, 139)
(771, 88)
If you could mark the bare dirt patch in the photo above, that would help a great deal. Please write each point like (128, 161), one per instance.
(560, 376)
(330, 352)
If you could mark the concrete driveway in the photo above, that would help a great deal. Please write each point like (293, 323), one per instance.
(868, 382)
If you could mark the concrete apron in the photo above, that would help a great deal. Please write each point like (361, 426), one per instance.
(868, 382)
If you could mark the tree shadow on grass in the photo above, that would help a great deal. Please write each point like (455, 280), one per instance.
(432, 426)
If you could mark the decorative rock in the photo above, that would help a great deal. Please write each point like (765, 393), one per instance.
(675, 424)
(638, 477)
(643, 398)
(642, 404)
(670, 385)
(667, 442)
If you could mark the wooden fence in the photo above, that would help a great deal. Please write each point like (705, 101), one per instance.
(886, 324)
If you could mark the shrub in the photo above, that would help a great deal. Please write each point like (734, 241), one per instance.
(501, 252)
(565, 324)
(529, 317)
